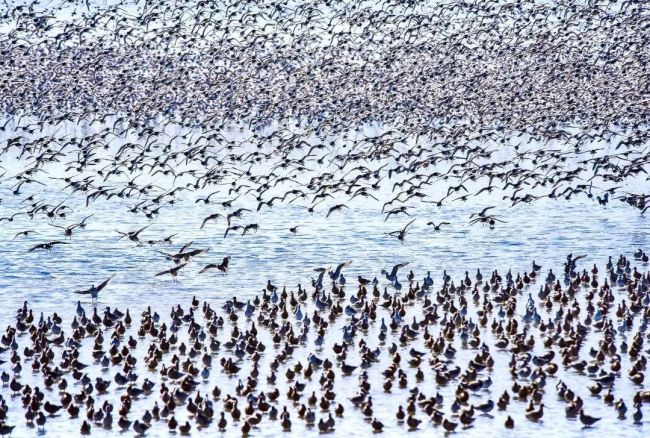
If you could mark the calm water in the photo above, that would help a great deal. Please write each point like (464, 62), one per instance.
(546, 232)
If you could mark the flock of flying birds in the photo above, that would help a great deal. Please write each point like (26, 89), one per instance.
(245, 106)
(249, 106)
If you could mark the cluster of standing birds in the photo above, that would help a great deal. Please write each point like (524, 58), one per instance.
(244, 107)
(347, 355)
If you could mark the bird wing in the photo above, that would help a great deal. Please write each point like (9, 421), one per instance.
(396, 267)
(179, 267)
(343, 265)
(140, 230)
(168, 271)
(103, 285)
(210, 266)
(166, 254)
(486, 209)
(187, 245)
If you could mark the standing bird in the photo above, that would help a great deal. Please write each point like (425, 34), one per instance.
(587, 420)
(5, 429)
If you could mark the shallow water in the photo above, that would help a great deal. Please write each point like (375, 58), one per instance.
(545, 231)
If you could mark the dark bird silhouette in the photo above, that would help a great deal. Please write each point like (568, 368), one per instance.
(94, 291)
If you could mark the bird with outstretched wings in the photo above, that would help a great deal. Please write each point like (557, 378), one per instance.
(93, 291)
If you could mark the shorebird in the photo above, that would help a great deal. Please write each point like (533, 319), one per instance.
(133, 235)
(24, 233)
(336, 274)
(437, 227)
(93, 291)
(67, 231)
(392, 276)
(402, 323)
(222, 267)
(401, 234)
(172, 271)
(335, 208)
(47, 245)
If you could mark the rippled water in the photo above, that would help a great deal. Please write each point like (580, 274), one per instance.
(546, 232)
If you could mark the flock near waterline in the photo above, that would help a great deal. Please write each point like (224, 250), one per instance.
(254, 106)
(237, 114)
(431, 350)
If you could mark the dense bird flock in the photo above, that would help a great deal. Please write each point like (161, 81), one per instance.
(312, 358)
(268, 103)
(242, 107)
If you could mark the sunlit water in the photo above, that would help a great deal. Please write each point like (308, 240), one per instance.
(545, 231)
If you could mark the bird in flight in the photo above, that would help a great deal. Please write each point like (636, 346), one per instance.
(24, 233)
(437, 227)
(83, 223)
(93, 291)
(392, 276)
(337, 272)
(173, 271)
(211, 218)
(47, 245)
(482, 212)
(133, 235)
(490, 220)
(337, 207)
(67, 231)
(237, 214)
(222, 267)
(401, 234)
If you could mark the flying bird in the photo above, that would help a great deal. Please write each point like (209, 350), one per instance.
(94, 291)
